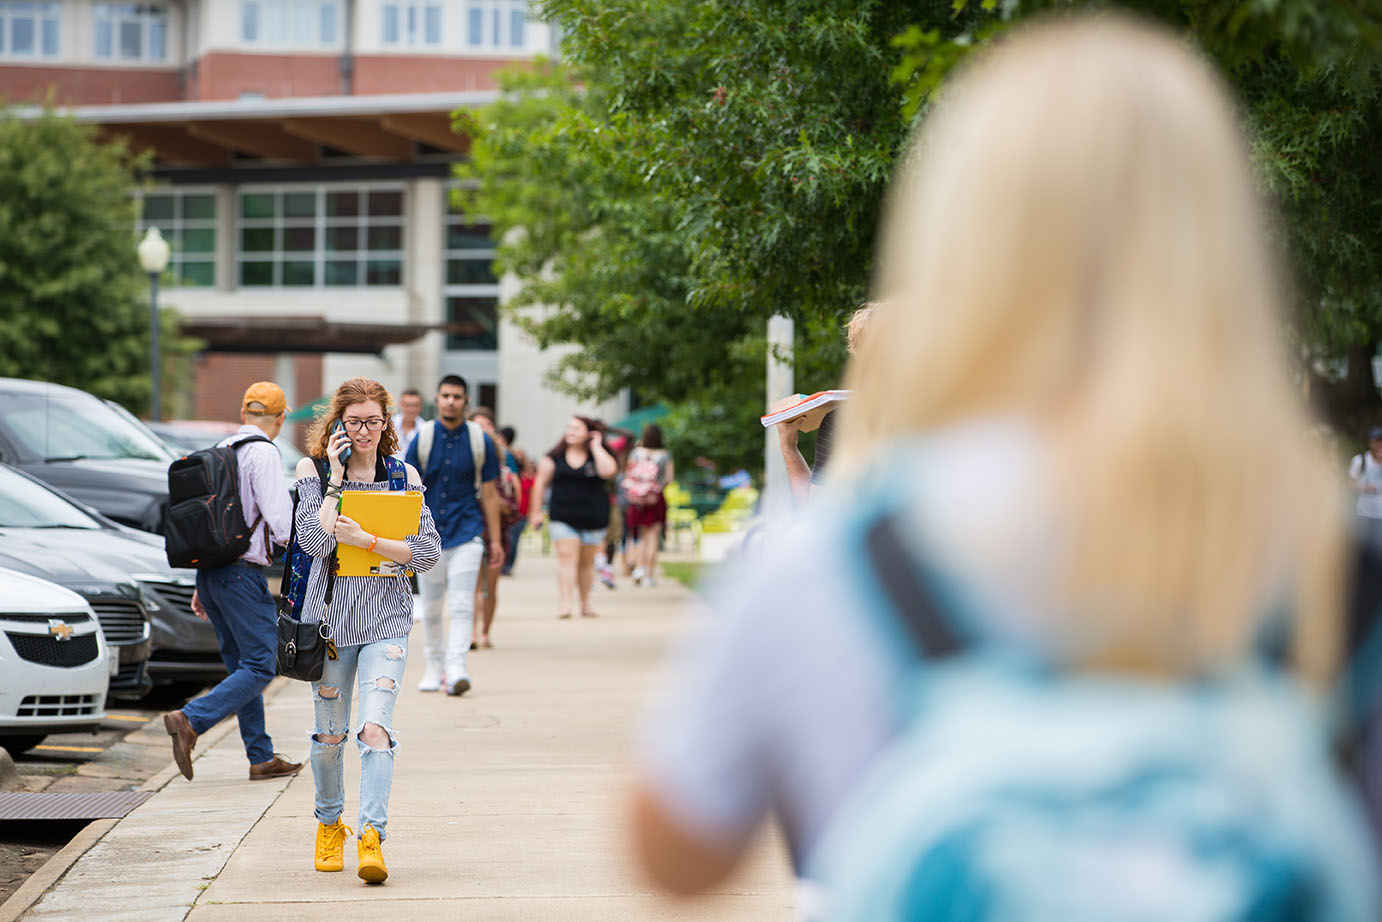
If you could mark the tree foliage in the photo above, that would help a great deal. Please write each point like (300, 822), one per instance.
(73, 301)
(688, 170)
(1308, 76)
(691, 168)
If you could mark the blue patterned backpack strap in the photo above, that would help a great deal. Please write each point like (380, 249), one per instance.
(397, 471)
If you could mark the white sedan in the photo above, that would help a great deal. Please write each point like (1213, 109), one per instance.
(54, 662)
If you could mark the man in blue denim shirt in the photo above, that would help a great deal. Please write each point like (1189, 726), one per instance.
(444, 454)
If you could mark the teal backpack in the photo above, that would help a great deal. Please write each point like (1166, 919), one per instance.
(1017, 791)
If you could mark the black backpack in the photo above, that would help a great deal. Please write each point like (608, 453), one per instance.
(205, 527)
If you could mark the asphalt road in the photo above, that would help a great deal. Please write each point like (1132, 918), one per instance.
(130, 747)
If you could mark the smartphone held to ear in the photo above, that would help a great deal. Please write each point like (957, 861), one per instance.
(339, 426)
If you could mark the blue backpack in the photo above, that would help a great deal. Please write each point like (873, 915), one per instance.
(1016, 791)
(297, 563)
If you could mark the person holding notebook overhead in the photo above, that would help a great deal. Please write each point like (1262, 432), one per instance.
(370, 617)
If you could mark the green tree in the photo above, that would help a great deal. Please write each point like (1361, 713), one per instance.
(1308, 75)
(689, 170)
(73, 300)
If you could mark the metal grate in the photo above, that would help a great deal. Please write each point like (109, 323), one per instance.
(57, 706)
(49, 651)
(121, 620)
(65, 617)
(177, 595)
(43, 806)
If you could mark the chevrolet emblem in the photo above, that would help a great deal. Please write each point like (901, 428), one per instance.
(59, 630)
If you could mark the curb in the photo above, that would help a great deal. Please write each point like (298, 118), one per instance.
(56, 867)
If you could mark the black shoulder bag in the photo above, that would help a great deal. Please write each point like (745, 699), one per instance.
(303, 647)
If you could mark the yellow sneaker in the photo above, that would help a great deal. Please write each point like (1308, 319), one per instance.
(331, 845)
(372, 870)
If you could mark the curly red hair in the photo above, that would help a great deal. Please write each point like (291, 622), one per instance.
(351, 392)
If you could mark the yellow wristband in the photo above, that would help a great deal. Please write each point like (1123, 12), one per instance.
(373, 543)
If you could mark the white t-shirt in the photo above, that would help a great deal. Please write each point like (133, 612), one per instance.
(1366, 469)
(405, 439)
(783, 698)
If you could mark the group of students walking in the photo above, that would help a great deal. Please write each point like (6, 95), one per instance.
(469, 526)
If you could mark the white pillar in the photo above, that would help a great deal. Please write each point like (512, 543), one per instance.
(777, 492)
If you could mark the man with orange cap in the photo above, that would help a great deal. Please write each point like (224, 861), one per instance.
(236, 599)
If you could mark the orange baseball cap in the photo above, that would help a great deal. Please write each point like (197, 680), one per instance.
(268, 395)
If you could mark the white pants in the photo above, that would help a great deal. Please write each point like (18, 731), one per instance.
(450, 582)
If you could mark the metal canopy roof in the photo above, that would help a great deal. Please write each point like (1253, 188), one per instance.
(297, 131)
(300, 334)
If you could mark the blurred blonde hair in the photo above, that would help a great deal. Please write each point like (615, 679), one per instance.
(858, 323)
(1074, 239)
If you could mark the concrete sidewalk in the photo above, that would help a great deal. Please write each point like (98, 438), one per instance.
(508, 803)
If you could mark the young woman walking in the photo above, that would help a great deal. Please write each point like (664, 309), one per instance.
(487, 586)
(370, 617)
(576, 468)
(649, 471)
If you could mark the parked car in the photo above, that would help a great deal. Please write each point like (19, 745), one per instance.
(184, 648)
(47, 535)
(187, 435)
(77, 443)
(54, 662)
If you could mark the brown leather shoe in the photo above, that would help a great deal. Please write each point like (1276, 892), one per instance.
(184, 739)
(277, 767)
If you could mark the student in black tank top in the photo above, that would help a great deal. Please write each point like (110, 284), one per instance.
(577, 469)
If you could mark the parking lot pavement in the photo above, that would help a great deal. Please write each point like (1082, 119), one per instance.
(508, 803)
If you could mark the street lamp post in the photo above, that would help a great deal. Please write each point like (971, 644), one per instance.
(153, 258)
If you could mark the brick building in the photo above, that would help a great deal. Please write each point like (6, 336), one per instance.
(303, 154)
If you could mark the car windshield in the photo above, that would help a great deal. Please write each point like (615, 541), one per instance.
(63, 426)
(26, 504)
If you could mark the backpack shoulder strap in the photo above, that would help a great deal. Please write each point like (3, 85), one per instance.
(425, 431)
(324, 474)
(477, 451)
(397, 473)
(912, 601)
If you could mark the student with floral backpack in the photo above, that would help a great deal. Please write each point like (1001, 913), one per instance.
(649, 470)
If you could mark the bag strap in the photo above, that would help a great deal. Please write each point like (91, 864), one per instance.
(477, 452)
(912, 601)
(397, 473)
(235, 449)
(324, 473)
(426, 429)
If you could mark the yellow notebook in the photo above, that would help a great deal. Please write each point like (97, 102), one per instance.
(389, 514)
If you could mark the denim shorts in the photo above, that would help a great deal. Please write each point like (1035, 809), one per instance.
(592, 537)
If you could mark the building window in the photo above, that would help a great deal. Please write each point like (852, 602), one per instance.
(411, 23)
(126, 32)
(290, 23)
(471, 290)
(187, 220)
(497, 24)
(29, 30)
(320, 236)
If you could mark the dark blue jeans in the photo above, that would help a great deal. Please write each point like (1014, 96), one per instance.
(237, 599)
(515, 532)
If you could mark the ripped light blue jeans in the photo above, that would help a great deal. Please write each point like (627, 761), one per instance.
(377, 668)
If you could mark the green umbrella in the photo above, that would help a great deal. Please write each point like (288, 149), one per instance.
(308, 413)
(639, 418)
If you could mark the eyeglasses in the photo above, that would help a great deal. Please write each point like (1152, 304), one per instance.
(373, 424)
